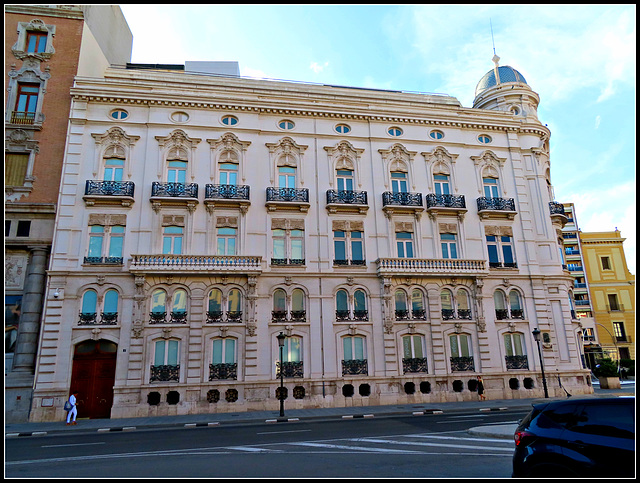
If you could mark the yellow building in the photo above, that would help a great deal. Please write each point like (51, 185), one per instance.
(612, 292)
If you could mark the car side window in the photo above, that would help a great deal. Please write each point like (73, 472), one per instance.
(561, 416)
(616, 421)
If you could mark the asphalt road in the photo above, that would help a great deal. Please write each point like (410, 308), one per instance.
(431, 445)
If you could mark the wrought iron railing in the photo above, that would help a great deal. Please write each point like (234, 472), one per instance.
(459, 314)
(290, 369)
(300, 195)
(165, 373)
(226, 192)
(499, 204)
(354, 367)
(223, 371)
(281, 316)
(556, 208)
(517, 362)
(174, 190)
(109, 188)
(104, 260)
(445, 201)
(21, 117)
(402, 199)
(347, 197)
(345, 263)
(287, 261)
(462, 363)
(414, 364)
(415, 314)
(91, 318)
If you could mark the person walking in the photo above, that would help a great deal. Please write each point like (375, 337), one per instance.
(481, 389)
(73, 401)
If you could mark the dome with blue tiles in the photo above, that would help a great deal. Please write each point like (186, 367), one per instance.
(506, 74)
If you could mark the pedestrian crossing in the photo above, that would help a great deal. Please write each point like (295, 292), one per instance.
(420, 443)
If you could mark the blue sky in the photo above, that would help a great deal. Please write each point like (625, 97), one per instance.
(580, 59)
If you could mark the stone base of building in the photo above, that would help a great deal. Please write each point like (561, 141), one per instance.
(227, 396)
(18, 391)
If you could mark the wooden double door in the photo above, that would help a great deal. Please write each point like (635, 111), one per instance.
(93, 376)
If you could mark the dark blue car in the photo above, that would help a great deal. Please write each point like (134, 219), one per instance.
(588, 437)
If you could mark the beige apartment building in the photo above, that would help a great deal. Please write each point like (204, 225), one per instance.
(402, 244)
(613, 292)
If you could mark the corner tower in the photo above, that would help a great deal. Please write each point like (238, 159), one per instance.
(503, 88)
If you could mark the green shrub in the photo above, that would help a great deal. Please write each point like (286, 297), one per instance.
(606, 368)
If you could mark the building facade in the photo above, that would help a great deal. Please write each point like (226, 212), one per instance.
(45, 47)
(402, 243)
(574, 262)
(612, 291)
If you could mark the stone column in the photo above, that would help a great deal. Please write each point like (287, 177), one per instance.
(24, 358)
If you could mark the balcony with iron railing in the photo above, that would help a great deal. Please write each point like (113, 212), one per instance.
(91, 318)
(285, 199)
(401, 202)
(414, 314)
(290, 369)
(516, 362)
(226, 195)
(220, 317)
(557, 213)
(222, 371)
(24, 118)
(504, 314)
(496, 208)
(445, 203)
(347, 201)
(354, 367)
(196, 263)
(102, 193)
(414, 364)
(174, 194)
(352, 316)
(456, 314)
(430, 266)
(462, 364)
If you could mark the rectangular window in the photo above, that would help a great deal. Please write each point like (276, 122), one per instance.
(24, 228)
(286, 177)
(224, 351)
(500, 249)
(412, 346)
(354, 348)
(441, 182)
(226, 241)
(513, 344)
(507, 251)
(27, 99)
(116, 241)
(36, 42)
(357, 252)
(492, 247)
(229, 173)
(348, 246)
(172, 240)
(606, 263)
(113, 169)
(618, 330)
(297, 245)
(279, 251)
(399, 182)
(448, 244)
(345, 180)
(96, 237)
(340, 245)
(15, 168)
(166, 353)
(490, 187)
(613, 301)
(404, 244)
(177, 172)
(460, 346)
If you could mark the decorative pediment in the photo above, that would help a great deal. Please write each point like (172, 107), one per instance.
(115, 136)
(488, 158)
(177, 138)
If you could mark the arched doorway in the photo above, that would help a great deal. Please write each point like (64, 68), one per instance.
(93, 376)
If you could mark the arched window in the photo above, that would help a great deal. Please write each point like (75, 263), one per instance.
(462, 304)
(111, 302)
(280, 301)
(418, 310)
(515, 305)
(402, 312)
(500, 305)
(214, 314)
(158, 301)
(298, 312)
(234, 305)
(179, 307)
(360, 305)
(446, 301)
(342, 305)
(89, 303)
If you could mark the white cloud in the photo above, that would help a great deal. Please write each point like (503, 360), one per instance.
(315, 67)
(598, 119)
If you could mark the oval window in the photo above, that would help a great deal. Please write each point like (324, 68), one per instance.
(484, 138)
(180, 117)
(286, 125)
(229, 120)
(119, 114)
(394, 131)
(343, 128)
(436, 134)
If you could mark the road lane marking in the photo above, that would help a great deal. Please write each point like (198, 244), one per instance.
(293, 431)
(74, 444)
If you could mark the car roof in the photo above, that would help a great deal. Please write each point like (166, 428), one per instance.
(585, 400)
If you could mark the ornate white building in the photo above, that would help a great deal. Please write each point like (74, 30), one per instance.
(403, 244)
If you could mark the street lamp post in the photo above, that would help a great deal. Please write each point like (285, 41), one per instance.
(536, 336)
(281, 337)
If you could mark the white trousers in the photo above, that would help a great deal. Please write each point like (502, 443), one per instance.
(74, 411)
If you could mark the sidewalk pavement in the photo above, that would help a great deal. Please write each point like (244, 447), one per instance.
(291, 415)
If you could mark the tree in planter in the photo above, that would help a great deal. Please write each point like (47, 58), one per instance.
(606, 368)
(607, 373)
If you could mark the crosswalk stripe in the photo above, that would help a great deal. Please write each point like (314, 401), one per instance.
(416, 443)
(358, 448)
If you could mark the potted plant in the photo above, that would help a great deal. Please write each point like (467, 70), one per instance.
(607, 373)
